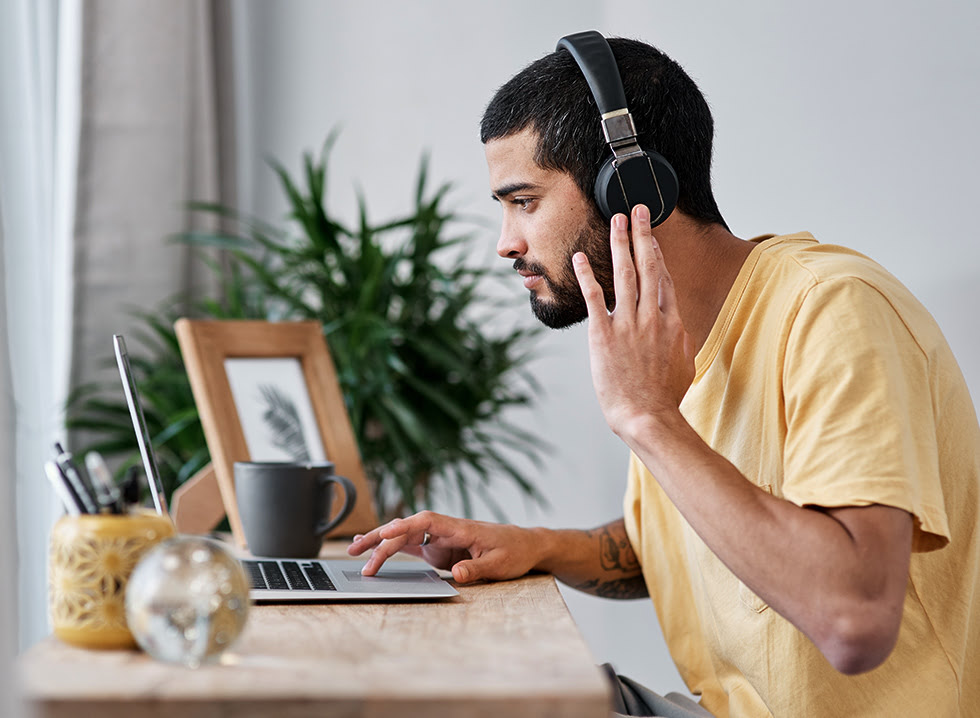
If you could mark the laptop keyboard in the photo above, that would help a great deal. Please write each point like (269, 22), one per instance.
(293, 576)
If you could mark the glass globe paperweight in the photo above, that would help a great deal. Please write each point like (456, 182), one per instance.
(187, 600)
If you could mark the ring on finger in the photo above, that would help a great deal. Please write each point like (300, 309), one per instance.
(426, 537)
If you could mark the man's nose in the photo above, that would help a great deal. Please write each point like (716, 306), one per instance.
(510, 245)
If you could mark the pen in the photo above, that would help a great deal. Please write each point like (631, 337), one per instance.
(62, 488)
(66, 457)
(106, 492)
(83, 490)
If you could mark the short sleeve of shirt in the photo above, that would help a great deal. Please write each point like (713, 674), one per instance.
(860, 423)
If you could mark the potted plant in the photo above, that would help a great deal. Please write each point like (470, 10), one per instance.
(428, 383)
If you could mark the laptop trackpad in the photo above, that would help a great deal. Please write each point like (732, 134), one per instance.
(388, 579)
(391, 582)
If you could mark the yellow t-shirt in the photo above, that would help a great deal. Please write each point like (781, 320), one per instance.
(826, 383)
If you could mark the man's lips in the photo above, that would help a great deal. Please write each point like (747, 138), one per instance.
(530, 279)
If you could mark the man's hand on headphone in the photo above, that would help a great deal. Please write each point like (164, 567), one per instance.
(642, 357)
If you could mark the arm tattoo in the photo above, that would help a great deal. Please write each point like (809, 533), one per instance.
(621, 588)
(616, 556)
(616, 553)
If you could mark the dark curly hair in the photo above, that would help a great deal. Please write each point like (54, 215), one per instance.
(671, 115)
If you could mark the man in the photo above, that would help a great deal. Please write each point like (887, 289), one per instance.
(803, 491)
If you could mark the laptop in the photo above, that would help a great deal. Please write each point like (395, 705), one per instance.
(285, 580)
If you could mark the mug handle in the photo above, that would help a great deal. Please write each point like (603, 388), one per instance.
(350, 496)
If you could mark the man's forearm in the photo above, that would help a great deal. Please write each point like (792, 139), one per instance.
(599, 561)
(837, 574)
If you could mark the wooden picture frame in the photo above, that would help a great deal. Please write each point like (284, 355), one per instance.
(208, 345)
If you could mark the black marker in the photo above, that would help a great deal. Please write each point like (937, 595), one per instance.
(130, 487)
(83, 489)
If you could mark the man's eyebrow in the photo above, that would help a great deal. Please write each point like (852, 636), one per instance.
(509, 189)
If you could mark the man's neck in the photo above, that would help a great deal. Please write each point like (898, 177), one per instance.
(704, 261)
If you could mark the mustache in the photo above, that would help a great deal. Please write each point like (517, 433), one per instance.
(521, 264)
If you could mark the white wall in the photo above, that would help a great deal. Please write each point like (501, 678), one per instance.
(853, 120)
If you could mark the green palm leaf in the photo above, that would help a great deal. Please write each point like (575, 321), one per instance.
(426, 382)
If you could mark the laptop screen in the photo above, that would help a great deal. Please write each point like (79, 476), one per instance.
(139, 424)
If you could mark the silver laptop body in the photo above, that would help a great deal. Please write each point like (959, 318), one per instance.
(280, 580)
(287, 580)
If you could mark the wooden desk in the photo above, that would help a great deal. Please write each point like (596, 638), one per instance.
(499, 649)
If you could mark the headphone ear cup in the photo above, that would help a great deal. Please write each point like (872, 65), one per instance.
(623, 184)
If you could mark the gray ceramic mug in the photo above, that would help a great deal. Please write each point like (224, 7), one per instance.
(285, 507)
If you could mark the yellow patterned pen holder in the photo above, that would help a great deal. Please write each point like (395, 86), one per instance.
(91, 558)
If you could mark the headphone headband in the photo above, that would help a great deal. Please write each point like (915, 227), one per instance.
(632, 175)
(597, 62)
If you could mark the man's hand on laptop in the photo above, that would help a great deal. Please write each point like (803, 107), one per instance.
(472, 550)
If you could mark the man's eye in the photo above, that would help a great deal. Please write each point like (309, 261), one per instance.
(522, 202)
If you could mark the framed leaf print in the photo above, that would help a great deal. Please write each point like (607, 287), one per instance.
(268, 391)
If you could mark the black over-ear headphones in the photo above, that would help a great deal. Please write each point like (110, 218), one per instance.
(632, 175)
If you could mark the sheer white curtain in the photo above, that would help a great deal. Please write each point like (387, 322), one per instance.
(112, 116)
(38, 86)
(8, 599)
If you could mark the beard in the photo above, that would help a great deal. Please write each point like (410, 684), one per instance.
(566, 306)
